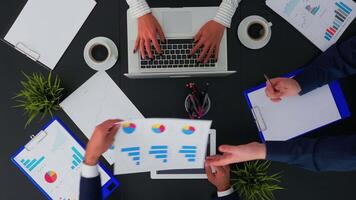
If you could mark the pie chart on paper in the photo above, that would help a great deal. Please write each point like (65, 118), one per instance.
(188, 130)
(129, 127)
(158, 128)
(50, 176)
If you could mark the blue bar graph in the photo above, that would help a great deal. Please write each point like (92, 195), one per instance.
(160, 152)
(77, 158)
(133, 152)
(189, 153)
(32, 164)
(342, 12)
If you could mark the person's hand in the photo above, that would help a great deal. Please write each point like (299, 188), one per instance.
(148, 29)
(237, 154)
(283, 87)
(101, 141)
(208, 38)
(221, 178)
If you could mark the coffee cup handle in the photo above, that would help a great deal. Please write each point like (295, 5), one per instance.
(270, 24)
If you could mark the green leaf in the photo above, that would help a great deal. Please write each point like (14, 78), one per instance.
(40, 96)
(253, 182)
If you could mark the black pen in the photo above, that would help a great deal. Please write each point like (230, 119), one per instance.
(267, 79)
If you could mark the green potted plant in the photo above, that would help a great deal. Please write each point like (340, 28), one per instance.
(253, 182)
(40, 95)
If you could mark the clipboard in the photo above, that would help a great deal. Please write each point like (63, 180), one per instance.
(336, 98)
(44, 29)
(48, 177)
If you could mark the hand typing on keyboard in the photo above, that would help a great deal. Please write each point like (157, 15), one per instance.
(208, 38)
(148, 29)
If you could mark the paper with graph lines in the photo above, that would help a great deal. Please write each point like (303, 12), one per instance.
(144, 145)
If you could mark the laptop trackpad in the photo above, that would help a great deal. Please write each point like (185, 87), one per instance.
(177, 22)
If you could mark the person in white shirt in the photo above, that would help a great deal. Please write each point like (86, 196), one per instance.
(208, 38)
(101, 141)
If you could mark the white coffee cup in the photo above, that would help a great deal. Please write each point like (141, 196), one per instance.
(107, 56)
(254, 32)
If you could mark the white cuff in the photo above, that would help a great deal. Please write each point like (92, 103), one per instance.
(225, 12)
(226, 192)
(138, 8)
(89, 171)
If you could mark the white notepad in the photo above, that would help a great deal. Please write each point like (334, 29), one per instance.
(97, 100)
(297, 115)
(45, 28)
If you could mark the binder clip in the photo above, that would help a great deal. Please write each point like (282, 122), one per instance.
(27, 51)
(260, 122)
(35, 140)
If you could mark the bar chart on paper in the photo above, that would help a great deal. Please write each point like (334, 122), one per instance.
(322, 22)
(77, 158)
(342, 12)
(31, 164)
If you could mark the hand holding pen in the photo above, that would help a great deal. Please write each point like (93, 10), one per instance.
(277, 88)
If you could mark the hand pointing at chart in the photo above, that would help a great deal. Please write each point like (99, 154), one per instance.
(101, 140)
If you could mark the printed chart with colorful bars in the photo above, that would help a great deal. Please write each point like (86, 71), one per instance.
(158, 144)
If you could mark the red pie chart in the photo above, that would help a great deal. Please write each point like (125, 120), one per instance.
(50, 176)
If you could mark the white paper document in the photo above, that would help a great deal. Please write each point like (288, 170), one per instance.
(145, 145)
(293, 116)
(54, 162)
(321, 21)
(45, 28)
(97, 100)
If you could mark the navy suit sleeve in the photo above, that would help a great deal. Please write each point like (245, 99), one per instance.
(232, 196)
(321, 154)
(336, 62)
(90, 188)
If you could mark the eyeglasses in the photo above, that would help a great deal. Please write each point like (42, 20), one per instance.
(197, 103)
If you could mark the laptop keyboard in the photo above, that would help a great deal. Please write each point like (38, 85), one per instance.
(176, 54)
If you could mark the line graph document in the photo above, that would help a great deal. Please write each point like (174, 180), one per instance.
(322, 22)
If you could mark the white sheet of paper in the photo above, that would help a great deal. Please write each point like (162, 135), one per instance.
(57, 146)
(297, 115)
(97, 100)
(314, 17)
(48, 27)
(145, 145)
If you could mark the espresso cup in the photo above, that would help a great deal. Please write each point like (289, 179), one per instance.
(254, 32)
(100, 53)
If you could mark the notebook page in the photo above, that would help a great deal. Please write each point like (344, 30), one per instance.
(97, 100)
(294, 116)
(48, 26)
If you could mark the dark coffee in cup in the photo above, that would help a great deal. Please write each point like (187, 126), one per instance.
(256, 31)
(99, 53)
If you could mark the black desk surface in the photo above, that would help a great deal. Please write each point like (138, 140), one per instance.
(287, 51)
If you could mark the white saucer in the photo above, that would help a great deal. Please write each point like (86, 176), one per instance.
(106, 64)
(246, 40)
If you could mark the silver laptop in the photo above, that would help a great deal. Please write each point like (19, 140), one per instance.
(179, 25)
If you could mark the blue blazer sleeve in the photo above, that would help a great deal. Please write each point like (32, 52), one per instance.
(321, 154)
(336, 62)
(90, 188)
(232, 196)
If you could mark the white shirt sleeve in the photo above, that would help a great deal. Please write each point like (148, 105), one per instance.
(226, 192)
(138, 8)
(225, 12)
(89, 171)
